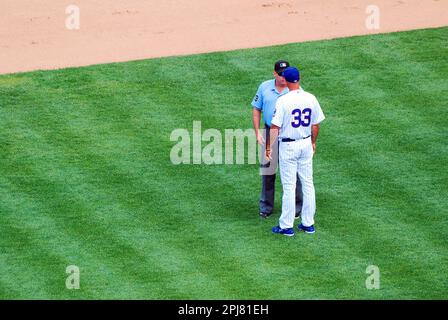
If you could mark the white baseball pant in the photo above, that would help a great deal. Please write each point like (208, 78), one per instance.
(297, 157)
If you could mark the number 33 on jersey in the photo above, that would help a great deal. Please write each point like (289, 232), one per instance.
(295, 112)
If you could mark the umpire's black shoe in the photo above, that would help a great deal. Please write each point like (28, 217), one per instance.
(298, 215)
(265, 215)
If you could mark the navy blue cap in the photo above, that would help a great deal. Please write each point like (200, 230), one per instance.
(291, 74)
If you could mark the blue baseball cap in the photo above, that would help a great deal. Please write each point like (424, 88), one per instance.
(291, 74)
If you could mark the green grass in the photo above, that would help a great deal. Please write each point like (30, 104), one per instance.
(86, 177)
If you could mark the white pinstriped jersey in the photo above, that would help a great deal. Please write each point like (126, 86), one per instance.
(295, 113)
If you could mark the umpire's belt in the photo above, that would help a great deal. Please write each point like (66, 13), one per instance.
(291, 140)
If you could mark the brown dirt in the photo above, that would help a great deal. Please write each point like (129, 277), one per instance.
(33, 33)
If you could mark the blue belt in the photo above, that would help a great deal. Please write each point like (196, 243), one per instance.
(291, 140)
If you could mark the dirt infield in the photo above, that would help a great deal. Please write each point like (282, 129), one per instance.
(34, 35)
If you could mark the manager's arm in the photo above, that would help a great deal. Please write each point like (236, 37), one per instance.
(314, 134)
(273, 135)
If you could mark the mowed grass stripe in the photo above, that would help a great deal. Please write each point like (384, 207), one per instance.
(86, 192)
(110, 222)
(194, 229)
(405, 189)
(127, 176)
(74, 229)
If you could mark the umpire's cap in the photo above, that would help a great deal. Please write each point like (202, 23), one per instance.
(280, 66)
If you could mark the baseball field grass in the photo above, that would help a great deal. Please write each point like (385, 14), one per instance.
(86, 177)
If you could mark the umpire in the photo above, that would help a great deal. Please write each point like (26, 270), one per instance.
(264, 102)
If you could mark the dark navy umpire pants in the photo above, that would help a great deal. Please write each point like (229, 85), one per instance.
(267, 196)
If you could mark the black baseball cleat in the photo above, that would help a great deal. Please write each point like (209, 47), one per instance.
(298, 215)
(265, 215)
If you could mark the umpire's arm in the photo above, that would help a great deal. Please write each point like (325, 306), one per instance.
(256, 119)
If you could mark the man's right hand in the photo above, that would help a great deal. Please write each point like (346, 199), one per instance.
(268, 155)
(260, 138)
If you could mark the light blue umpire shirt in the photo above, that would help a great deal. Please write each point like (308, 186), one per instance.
(266, 98)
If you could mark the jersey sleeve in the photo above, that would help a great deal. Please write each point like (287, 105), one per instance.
(318, 115)
(257, 102)
(277, 119)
